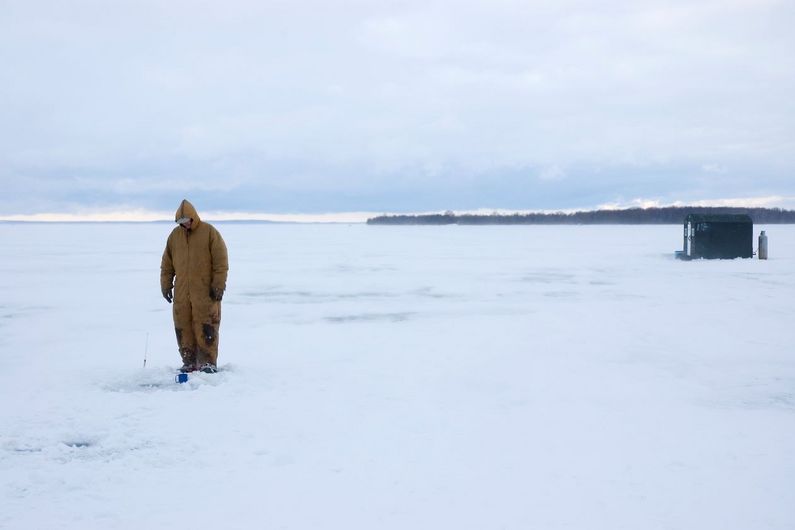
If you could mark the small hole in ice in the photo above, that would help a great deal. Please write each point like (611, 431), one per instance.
(78, 445)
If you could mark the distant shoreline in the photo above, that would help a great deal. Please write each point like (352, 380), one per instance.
(164, 222)
(630, 216)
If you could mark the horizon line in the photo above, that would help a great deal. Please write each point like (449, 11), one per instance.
(140, 215)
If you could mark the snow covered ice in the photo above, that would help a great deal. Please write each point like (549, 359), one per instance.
(400, 378)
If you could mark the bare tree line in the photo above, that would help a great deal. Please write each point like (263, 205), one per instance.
(666, 215)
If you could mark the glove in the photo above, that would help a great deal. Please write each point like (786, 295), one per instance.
(167, 294)
(216, 294)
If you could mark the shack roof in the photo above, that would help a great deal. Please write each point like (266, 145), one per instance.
(718, 218)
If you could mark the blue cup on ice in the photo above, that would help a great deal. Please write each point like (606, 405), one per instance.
(181, 378)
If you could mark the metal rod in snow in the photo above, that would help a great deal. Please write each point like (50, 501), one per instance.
(146, 349)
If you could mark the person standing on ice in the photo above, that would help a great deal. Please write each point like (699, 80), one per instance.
(196, 256)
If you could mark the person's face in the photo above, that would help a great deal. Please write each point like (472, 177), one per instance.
(187, 225)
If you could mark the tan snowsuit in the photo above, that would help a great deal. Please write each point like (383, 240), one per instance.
(198, 259)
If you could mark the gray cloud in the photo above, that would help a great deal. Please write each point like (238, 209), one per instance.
(331, 106)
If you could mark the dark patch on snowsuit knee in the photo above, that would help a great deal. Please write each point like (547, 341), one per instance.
(209, 333)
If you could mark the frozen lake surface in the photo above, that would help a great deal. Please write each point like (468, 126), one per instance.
(400, 378)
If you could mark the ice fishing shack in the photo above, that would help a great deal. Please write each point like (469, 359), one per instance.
(717, 236)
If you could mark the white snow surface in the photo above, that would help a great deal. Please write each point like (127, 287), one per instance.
(502, 377)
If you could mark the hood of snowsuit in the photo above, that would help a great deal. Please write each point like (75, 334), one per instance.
(186, 209)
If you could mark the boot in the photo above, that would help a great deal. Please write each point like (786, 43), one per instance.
(208, 368)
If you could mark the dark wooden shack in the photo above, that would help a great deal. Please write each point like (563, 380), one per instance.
(724, 236)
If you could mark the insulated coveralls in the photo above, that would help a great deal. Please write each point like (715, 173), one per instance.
(198, 259)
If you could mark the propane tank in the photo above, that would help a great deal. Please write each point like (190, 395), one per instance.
(762, 245)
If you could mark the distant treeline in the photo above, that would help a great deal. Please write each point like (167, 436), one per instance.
(634, 216)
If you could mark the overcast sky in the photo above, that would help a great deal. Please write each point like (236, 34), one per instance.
(415, 105)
